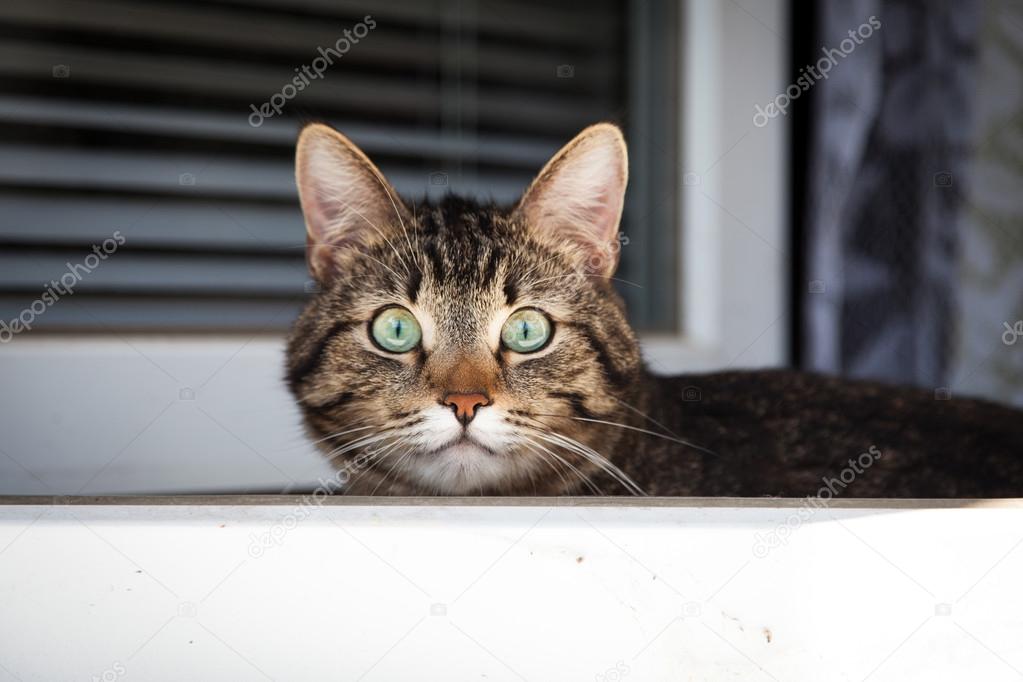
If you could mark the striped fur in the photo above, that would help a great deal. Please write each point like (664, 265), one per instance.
(467, 266)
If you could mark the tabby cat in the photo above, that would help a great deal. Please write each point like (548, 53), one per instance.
(458, 348)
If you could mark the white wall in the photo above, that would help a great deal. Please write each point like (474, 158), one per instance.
(115, 414)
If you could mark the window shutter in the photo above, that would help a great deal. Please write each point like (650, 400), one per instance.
(135, 117)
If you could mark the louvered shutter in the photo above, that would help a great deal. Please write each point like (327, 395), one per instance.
(128, 116)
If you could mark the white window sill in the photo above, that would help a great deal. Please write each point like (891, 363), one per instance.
(509, 589)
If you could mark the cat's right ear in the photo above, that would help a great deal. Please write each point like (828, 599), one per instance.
(575, 203)
(346, 200)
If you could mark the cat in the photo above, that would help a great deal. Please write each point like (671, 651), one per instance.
(464, 348)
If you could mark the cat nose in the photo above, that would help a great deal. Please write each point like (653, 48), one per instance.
(465, 404)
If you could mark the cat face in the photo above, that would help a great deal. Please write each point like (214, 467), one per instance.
(458, 348)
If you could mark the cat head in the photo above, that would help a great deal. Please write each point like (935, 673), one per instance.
(456, 348)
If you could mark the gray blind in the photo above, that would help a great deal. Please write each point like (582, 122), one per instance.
(134, 117)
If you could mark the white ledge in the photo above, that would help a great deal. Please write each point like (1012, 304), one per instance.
(292, 588)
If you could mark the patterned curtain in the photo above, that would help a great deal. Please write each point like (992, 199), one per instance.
(889, 148)
(989, 358)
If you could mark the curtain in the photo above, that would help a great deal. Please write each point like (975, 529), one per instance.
(890, 139)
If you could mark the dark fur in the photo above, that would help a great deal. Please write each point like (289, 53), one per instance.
(788, 433)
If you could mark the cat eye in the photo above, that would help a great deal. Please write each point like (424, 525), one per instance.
(526, 331)
(396, 330)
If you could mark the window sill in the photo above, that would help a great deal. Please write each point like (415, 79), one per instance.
(390, 588)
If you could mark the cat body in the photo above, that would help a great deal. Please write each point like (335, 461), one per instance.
(464, 349)
(794, 434)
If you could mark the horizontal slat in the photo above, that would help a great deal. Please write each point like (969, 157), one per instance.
(211, 176)
(150, 223)
(151, 172)
(534, 21)
(298, 38)
(344, 92)
(103, 314)
(521, 151)
(136, 273)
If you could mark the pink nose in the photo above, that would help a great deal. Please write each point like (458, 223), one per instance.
(465, 404)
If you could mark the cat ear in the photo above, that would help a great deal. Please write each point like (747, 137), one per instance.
(346, 200)
(576, 200)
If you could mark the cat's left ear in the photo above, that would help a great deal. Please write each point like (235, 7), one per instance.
(576, 201)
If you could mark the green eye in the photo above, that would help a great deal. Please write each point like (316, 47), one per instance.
(526, 330)
(396, 330)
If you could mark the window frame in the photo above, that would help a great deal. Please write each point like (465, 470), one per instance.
(732, 307)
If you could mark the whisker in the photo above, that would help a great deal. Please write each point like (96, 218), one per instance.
(543, 458)
(550, 463)
(532, 269)
(582, 274)
(397, 214)
(390, 269)
(596, 458)
(342, 433)
(587, 453)
(645, 416)
(583, 477)
(411, 251)
(362, 441)
(378, 455)
(681, 441)
(416, 232)
(393, 466)
(590, 454)
(348, 207)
